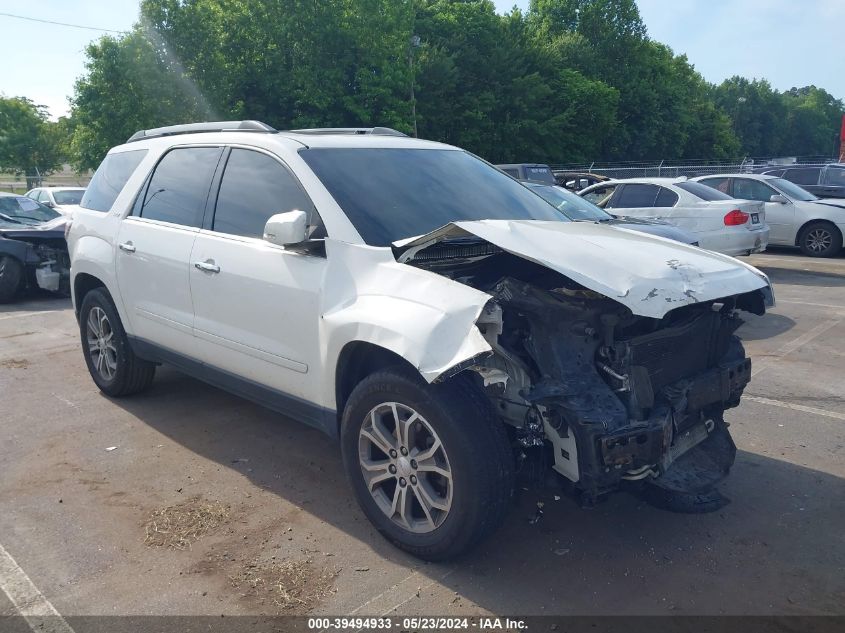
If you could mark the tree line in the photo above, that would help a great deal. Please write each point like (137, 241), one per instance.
(565, 81)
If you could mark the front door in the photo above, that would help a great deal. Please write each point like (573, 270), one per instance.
(154, 248)
(257, 305)
(780, 216)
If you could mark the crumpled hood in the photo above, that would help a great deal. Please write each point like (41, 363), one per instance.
(649, 275)
(831, 202)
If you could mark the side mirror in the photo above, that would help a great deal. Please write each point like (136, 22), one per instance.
(284, 229)
(778, 198)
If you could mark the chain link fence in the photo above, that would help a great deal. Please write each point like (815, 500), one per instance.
(688, 168)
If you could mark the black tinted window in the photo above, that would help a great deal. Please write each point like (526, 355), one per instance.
(634, 196)
(835, 176)
(392, 193)
(111, 177)
(702, 191)
(666, 198)
(178, 189)
(806, 176)
(254, 187)
(720, 184)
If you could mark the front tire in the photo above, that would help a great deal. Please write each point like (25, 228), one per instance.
(430, 464)
(113, 365)
(820, 239)
(11, 273)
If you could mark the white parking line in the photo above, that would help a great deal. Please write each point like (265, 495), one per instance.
(28, 601)
(793, 345)
(22, 315)
(815, 305)
(796, 407)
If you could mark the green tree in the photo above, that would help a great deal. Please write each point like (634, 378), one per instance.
(29, 143)
(132, 83)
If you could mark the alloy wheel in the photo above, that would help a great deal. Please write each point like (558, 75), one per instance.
(101, 348)
(819, 240)
(405, 467)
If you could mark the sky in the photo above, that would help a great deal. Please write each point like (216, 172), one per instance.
(790, 43)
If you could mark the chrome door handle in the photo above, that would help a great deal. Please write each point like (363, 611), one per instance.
(127, 246)
(209, 267)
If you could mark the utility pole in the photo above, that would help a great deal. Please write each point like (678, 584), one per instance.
(412, 44)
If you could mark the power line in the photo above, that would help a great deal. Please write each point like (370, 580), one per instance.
(75, 26)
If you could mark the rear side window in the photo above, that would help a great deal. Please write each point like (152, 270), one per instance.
(178, 189)
(835, 176)
(806, 176)
(112, 175)
(666, 198)
(635, 196)
(720, 184)
(254, 187)
(702, 191)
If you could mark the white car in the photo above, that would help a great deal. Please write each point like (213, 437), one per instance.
(721, 223)
(65, 200)
(796, 217)
(447, 324)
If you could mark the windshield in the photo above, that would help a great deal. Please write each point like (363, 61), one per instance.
(570, 204)
(68, 196)
(393, 193)
(792, 190)
(21, 210)
(704, 192)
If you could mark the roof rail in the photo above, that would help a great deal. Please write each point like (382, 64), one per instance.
(196, 128)
(378, 131)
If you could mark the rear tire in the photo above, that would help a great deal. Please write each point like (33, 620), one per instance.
(444, 516)
(820, 239)
(113, 365)
(11, 274)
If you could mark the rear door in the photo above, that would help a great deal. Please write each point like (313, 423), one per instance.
(154, 247)
(256, 304)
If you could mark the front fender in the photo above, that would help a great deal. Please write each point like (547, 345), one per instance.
(427, 319)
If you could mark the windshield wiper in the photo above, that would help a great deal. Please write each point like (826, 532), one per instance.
(9, 218)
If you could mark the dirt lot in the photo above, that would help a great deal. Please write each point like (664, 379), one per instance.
(187, 500)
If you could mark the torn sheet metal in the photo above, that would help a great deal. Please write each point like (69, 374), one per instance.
(649, 275)
(429, 320)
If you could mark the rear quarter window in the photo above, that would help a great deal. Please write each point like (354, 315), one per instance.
(110, 179)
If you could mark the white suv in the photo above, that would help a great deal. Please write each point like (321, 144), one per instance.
(449, 326)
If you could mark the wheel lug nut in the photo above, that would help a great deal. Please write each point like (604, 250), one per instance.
(414, 464)
(402, 482)
(392, 469)
(404, 450)
(414, 479)
(393, 453)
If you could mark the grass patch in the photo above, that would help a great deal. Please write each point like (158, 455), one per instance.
(292, 586)
(178, 526)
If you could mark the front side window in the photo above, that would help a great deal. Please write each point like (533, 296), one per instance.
(254, 187)
(748, 189)
(636, 196)
(178, 189)
(43, 196)
(112, 175)
(393, 193)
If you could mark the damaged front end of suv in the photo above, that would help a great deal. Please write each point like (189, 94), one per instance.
(610, 364)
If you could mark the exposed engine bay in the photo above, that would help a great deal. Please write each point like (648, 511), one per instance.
(600, 394)
(42, 254)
